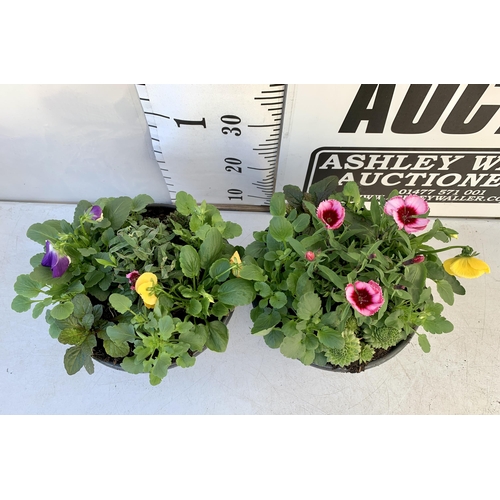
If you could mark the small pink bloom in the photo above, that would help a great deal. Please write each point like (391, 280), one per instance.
(332, 213)
(132, 278)
(404, 211)
(310, 256)
(366, 298)
(416, 260)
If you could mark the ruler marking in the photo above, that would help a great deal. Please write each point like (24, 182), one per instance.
(268, 125)
(256, 168)
(156, 114)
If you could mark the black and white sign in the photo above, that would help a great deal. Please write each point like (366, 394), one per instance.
(441, 142)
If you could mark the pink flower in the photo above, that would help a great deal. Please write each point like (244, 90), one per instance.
(310, 256)
(416, 260)
(366, 298)
(132, 278)
(332, 213)
(404, 211)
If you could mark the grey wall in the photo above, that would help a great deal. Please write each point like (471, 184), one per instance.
(64, 143)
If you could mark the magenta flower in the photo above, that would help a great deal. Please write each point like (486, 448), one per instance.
(96, 213)
(332, 213)
(366, 298)
(132, 278)
(405, 210)
(310, 256)
(57, 263)
(416, 260)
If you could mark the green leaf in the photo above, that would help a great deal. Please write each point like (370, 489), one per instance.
(185, 360)
(218, 336)
(280, 228)
(332, 276)
(62, 311)
(82, 306)
(78, 356)
(323, 189)
(445, 291)
(72, 336)
(119, 302)
(423, 341)
(220, 269)
(93, 278)
(265, 322)
(41, 232)
(293, 195)
(293, 347)
(277, 205)
(141, 201)
(185, 203)
(194, 307)
(351, 189)
(331, 338)
(301, 222)
(122, 332)
(86, 252)
(117, 210)
(21, 304)
(252, 272)
(26, 286)
(297, 246)
(309, 304)
(414, 277)
(196, 337)
(278, 300)
(274, 339)
(236, 292)
(375, 211)
(116, 349)
(160, 368)
(211, 247)
(455, 284)
(263, 289)
(190, 261)
(231, 230)
(40, 306)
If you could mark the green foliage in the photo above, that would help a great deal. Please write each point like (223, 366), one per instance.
(186, 248)
(301, 305)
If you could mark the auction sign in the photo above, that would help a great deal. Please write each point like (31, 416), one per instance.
(441, 142)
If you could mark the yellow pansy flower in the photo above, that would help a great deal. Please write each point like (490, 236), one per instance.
(466, 267)
(142, 287)
(235, 259)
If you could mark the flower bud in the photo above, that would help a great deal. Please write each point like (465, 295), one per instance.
(310, 256)
(416, 260)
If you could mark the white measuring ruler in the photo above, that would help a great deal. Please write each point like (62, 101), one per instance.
(220, 143)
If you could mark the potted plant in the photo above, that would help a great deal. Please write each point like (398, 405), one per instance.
(347, 279)
(134, 284)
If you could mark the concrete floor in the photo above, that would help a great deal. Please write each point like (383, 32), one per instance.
(459, 376)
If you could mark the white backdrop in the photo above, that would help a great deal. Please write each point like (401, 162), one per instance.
(64, 143)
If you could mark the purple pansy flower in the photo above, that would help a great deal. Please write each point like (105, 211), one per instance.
(96, 213)
(57, 263)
